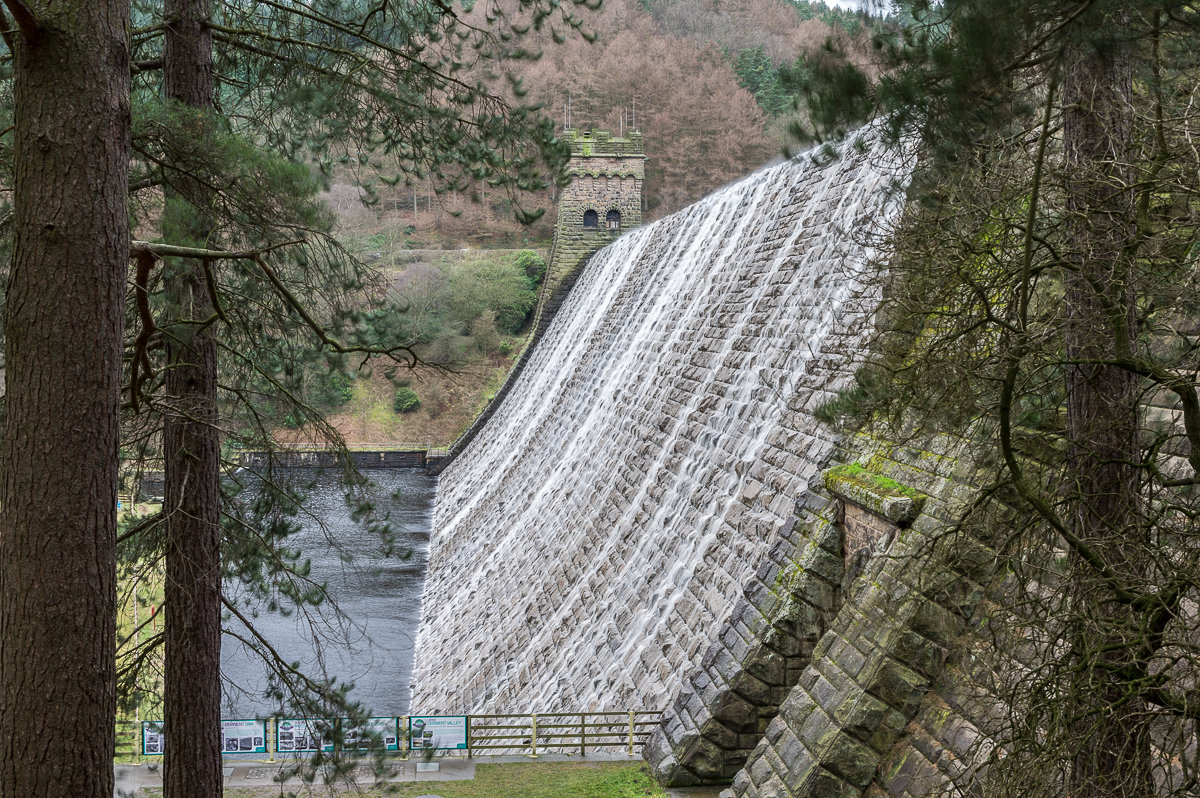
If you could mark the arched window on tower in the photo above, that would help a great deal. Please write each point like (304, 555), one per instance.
(591, 218)
(613, 219)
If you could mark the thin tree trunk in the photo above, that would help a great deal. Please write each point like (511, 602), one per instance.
(63, 324)
(1113, 746)
(192, 678)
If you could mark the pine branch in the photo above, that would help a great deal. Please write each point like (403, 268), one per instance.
(319, 330)
(140, 368)
(27, 23)
(138, 248)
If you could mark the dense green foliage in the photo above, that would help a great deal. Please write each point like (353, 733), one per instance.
(478, 296)
(503, 288)
(533, 264)
(760, 76)
(332, 390)
(406, 400)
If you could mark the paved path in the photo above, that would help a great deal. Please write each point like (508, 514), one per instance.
(131, 778)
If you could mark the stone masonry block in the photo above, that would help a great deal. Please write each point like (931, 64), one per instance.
(736, 712)
(862, 715)
(897, 685)
(767, 667)
(918, 652)
(707, 761)
(752, 689)
(824, 784)
(936, 622)
(720, 735)
(847, 757)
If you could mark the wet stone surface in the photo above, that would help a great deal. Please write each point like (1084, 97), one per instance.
(595, 535)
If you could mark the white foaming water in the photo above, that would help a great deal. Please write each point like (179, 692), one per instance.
(592, 538)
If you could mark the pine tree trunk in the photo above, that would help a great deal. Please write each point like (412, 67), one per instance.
(192, 678)
(1113, 746)
(63, 323)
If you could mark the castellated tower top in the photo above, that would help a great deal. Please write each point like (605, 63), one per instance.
(601, 143)
(603, 197)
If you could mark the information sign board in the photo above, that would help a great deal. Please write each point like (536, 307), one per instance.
(384, 730)
(244, 736)
(295, 736)
(438, 732)
(152, 738)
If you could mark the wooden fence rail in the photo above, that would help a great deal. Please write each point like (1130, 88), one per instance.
(566, 732)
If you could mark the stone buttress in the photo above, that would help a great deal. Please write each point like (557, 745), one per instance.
(871, 692)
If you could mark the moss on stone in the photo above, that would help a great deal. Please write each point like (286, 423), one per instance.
(885, 496)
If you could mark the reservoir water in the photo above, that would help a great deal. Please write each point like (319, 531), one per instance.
(365, 633)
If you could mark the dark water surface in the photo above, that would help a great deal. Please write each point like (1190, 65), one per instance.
(371, 643)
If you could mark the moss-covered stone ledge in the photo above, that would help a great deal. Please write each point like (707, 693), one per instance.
(882, 495)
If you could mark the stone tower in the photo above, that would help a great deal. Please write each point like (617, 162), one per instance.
(603, 198)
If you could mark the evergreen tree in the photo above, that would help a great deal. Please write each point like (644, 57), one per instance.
(1046, 263)
(192, 763)
(63, 329)
(291, 84)
(759, 76)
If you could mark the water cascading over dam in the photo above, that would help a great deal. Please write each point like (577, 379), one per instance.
(593, 537)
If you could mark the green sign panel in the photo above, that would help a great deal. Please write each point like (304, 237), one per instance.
(298, 736)
(438, 732)
(243, 736)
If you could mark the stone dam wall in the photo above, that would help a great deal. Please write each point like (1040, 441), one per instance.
(654, 519)
(873, 653)
(329, 458)
(841, 669)
(597, 532)
(606, 174)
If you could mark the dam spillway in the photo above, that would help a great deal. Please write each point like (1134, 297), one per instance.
(593, 537)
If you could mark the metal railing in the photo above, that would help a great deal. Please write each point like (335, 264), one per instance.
(530, 735)
(382, 446)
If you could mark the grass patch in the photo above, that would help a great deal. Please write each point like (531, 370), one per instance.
(508, 780)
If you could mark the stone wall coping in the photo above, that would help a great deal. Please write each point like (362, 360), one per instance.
(592, 171)
(604, 143)
(886, 497)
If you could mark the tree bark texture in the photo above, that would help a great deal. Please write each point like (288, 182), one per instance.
(63, 324)
(192, 678)
(1113, 745)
